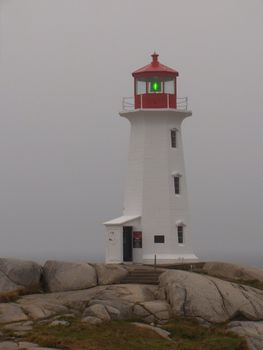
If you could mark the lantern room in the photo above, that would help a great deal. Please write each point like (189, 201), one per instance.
(155, 86)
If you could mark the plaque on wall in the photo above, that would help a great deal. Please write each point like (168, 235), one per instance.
(137, 239)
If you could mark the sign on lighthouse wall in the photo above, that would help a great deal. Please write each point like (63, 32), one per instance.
(155, 221)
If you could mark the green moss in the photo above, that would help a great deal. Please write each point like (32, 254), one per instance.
(119, 335)
(188, 335)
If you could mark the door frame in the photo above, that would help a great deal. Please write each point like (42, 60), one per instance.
(127, 243)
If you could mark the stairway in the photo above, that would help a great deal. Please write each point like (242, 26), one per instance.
(142, 276)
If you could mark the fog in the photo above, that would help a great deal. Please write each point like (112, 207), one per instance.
(65, 66)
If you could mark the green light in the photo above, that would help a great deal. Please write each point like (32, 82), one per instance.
(155, 86)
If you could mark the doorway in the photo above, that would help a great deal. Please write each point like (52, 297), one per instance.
(127, 243)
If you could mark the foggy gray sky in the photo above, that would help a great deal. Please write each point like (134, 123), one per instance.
(64, 67)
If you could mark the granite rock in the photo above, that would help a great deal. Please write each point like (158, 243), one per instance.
(67, 276)
(252, 331)
(110, 274)
(233, 272)
(209, 298)
(19, 276)
(11, 312)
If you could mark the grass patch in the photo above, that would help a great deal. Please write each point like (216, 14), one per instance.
(190, 335)
(120, 335)
(7, 297)
(10, 296)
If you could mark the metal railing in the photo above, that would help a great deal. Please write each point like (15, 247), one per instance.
(128, 103)
(182, 103)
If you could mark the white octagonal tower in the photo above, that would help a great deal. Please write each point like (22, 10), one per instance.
(155, 222)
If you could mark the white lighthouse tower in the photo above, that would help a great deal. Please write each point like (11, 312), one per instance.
(155, 221)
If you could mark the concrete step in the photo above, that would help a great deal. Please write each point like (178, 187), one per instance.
(142, 276)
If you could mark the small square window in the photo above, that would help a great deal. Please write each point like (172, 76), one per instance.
(180, 233)
(173, 138)
(177, 184)
(159, 239)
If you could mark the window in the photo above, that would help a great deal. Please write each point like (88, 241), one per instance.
(173, 138)
(180, 233)
(155, 86)
(159, 239)
(169, 87)
(177, 184)
(140, 87)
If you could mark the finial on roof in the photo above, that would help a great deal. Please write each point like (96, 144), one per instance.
(155, 61)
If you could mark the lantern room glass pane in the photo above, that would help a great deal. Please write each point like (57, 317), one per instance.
(140, 87)
(169, 87)
(155, 86)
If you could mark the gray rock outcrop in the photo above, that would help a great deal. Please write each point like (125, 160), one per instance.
(209, 298)
(233, 272)
(117, 300)
(93, 294)
(8, 345)
(110, 274)
(23, 345)
(99, 311)
(66, 276)
(156, 311)
(252, 331)
(39, 306)
(19, 328)
(19, 276)
(91, 320)
(11, 312)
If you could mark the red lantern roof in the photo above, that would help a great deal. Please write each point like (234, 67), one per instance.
(155, 67)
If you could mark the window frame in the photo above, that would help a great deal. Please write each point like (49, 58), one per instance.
(165, 88)
(177, 184)
(155, 92)
(180, 234)
(137, 82)
(173, 139)
(159, 237)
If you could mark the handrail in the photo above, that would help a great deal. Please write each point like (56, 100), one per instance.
(128, 103)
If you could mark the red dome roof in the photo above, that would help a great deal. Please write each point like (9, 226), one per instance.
(155, 67)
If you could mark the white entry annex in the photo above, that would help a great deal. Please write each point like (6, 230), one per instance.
(155, 221)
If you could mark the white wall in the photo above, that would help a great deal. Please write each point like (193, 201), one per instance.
(114, 239)
(114, 242)
(149, 188)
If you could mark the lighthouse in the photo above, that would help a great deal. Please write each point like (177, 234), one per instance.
(155, 223)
